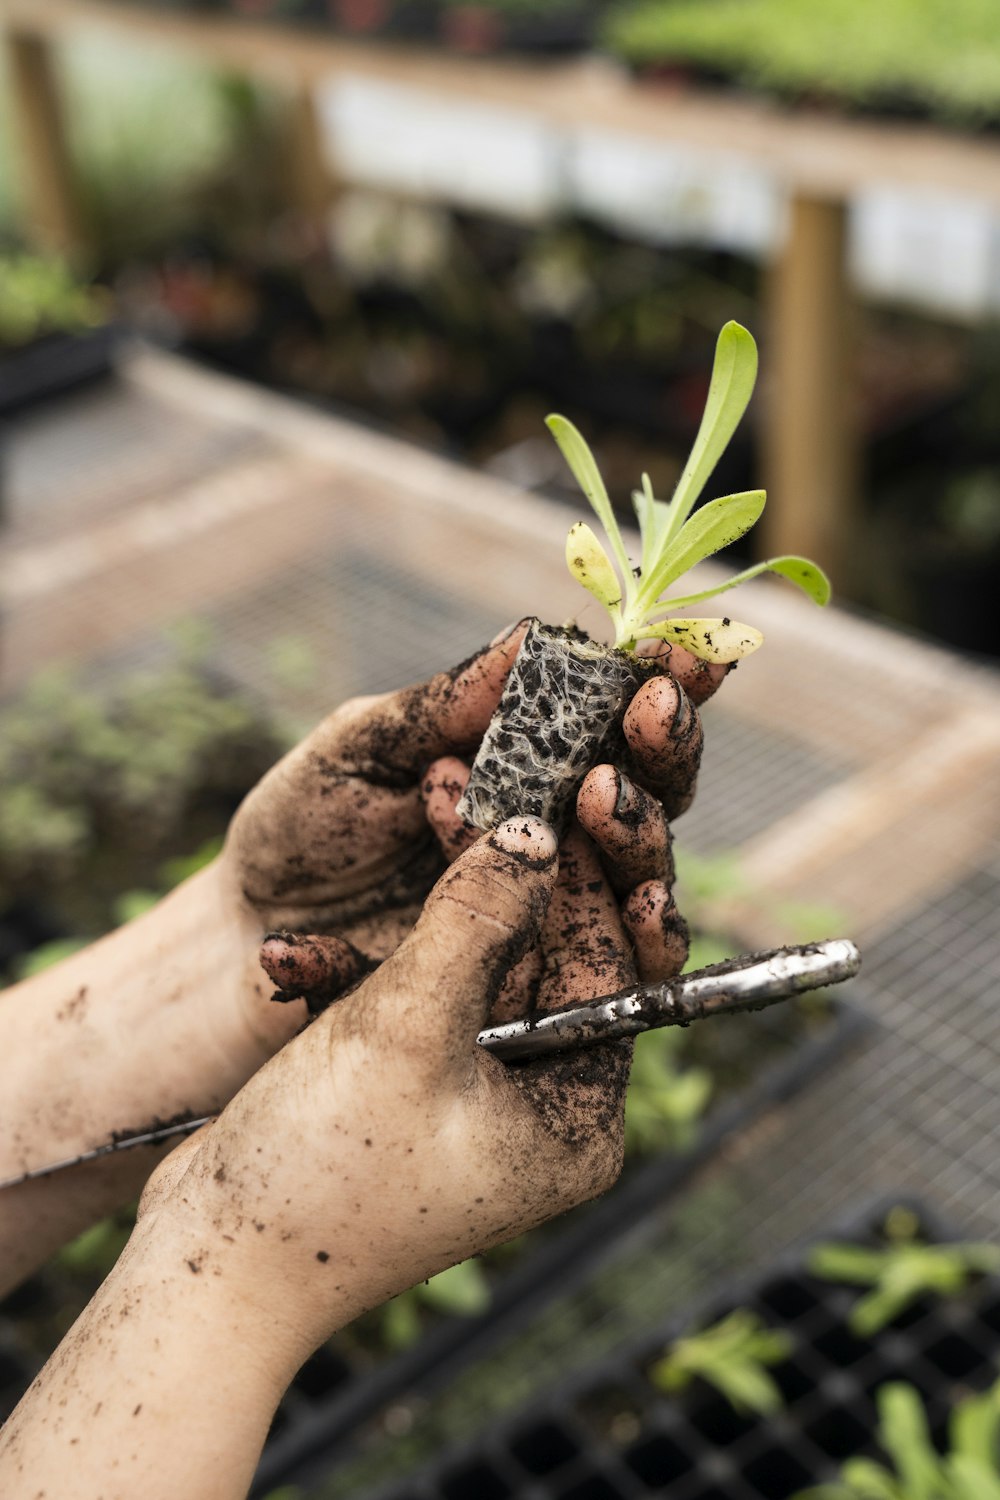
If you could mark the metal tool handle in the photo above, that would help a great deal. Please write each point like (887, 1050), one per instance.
(750, 982)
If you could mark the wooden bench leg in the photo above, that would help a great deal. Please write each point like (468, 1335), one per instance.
(810, 458)
(52, 217)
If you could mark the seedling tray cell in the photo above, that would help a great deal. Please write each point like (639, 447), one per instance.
(611, 1433)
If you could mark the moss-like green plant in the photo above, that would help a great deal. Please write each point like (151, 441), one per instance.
(970, 1470)
(733, 1356)
(673, 540)
(900, 1272)
(96, 790)
(941, 52)
(39, 294)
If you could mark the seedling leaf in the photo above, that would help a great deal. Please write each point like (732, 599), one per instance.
(798, 570)
(975, 1427)
(900, 1273)
(850, 1263)
(868, 1480)
(461, 1289)
(654, 517)
(711, 640)
(971, 1480)
(588, 476)
(734, 373)
(716, 525)
(905, 1436)
(674, 540)
(590, 565)
(731, 1355)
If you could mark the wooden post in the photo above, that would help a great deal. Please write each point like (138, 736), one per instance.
(51, 210)
(311, 186)
(810, 457)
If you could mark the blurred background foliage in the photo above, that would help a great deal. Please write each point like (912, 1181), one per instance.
(461, 328)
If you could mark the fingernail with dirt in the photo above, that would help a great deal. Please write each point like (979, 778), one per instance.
(625, 795)
(506, 633)
(529, 840)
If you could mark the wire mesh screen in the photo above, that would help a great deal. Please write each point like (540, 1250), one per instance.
(853, 766)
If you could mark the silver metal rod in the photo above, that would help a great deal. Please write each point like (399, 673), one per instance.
(750, 982)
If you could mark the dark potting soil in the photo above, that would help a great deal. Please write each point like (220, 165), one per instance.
(559, 714)
(610, 1434)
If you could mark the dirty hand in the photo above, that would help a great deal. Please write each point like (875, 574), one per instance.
(623, 814)
(377, 1148)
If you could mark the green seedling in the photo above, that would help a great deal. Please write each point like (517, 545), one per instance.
(732, 1355)
(970, 1470)
(666, 1101)
(900, 1272)
(460, 1291)
(673, 540)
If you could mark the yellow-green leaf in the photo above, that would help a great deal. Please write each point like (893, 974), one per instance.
(588, 476)
(590, 565)
(722, 640)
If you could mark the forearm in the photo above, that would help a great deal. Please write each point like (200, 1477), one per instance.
(142, 1026)
(165, 1386)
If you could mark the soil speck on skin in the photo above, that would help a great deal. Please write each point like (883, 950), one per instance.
(323, 1256)
(75, 1008)
(194, 1266)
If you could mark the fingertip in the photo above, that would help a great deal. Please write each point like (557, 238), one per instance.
(600, 794)
(444, 780)
(660, 935)
(531, 840)
(473, 690)
(441, 789)
(511, 635)
(653, 715)
(699, 679)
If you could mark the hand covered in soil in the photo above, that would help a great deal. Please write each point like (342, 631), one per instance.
(380, 1146)
(335, 840)
(623, 817)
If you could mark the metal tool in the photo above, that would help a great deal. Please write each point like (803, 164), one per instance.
(752, 981)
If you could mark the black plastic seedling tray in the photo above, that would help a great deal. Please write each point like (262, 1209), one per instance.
(609, 1434)
(53, 364)
(333, 1395)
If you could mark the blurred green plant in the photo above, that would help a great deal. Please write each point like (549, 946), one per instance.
(970, 1470)
(665, 1101)
(732, 1355)
(941, 53)
(96, 791)
(460, 1291)
(901, 1272)
(94, 1252)
(39, 295)
(128, 906)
